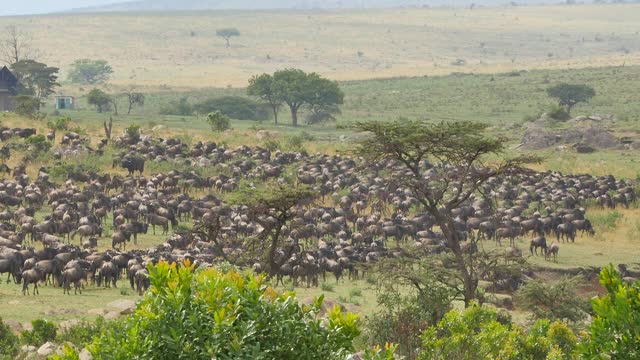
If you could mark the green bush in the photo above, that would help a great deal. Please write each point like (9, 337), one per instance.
(557, 300)
(235, 107)
(133, 131)
(180, 107)
(559, 113)
(43, 331)
(59, 124)
(83, 333)
(218, 121)
(272, 144)
(8, 342)
(39, 143)
(210, 314)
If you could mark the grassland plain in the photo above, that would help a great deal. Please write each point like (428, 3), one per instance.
(181, 50)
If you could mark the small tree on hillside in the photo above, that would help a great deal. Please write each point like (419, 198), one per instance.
(100, 99)
(460, 149)
(28, 106)
(227, 34)
(263, 86)
(571, 94)
(86, 71)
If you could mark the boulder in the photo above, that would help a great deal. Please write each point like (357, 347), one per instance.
(85, 355)
(111, 315)
(15, 326)
(46, 349)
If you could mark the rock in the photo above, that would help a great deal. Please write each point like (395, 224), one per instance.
(111, 315)
(595, 118)
(85, 355)
(581, 118)
(97, 312)
(67, 324)
(15, 326)
(122, 304)
(127, 311)
(46, 349)
(342, 137)
(27, 326)
(28, 348)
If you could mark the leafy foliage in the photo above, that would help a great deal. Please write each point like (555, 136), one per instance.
(35, 78)
(28, 106)
(615, 329)
(8, 342)
(86, 71)
(39, 143)
(227, 33)
(180, 107)
(478, 333)
(235, 107)
(211, 314)
(59, 124)
(43, 331)
(219, 122)
(554, 300)
(263, 87)
(100, 99)
(571, 94)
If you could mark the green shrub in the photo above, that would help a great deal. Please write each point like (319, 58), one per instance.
(607, 220)
(8, 342)
(355, 292)
(83, 333)
(210, 314)
(218, 121)
(557, 300)
(59, 124)
(43, 331)
(325, 286)
(235, 107)
(133, 131)
(39, 143)
(180, 108)
(272, 144)
(559, 113)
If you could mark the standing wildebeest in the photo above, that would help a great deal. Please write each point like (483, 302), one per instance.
(566, 232)
(74, 276)
(108, 274)
(12, 268)
(552, 251)
(584, 226)
(154, 220)
(134, 228)
(120, 238)
(87, 230)
(539, 242)
(31, 276)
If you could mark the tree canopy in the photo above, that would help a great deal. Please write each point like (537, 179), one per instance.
(100, 99)
(297, 89)
(571, 94)
(218, 121)
(35, 78)
(459, 150)
(227, 34)
(87, 71)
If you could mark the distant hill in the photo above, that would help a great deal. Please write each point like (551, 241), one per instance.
(177, 5)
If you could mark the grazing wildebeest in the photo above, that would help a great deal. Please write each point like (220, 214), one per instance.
(584, 226)
(120, 238)
(552, 251)
(566, 232)
(31, 276)
(87, 230)
(539, 242)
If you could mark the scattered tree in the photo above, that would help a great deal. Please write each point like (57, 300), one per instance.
(133, 99)
(218, 121)
(571, 94)
(86, 71)
(35, 79)
(227, 33)
(16, 45)
(460, 148)
(263, 87)
(100, 99)
(271, 205)
(28, 106)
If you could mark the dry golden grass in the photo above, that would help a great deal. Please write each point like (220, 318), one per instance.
(158, 50)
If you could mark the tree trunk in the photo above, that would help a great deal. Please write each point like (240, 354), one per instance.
(228, 44)
(275, 113)
(470, 284)
(294, 116)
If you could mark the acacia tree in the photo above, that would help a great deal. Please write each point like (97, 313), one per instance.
(571, 94)
(460, 148)
(134, 99)
(271, 205)
(35, 78)
(227, 33)
(263, 87)
(100, 99)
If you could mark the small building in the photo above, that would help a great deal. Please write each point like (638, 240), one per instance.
(64, 102)
(8, 83)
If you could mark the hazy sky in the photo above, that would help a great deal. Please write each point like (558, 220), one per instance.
(20, 7)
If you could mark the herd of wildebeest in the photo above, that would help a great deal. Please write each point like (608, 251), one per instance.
(74, 232)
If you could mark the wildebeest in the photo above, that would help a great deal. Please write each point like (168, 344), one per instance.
(552, 251)
(12, 268)
(31, 276)
(539, 242)
(74, 276)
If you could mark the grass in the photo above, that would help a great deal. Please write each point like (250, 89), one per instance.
(158, 50)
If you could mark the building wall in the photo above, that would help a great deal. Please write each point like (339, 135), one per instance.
(6, 102)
